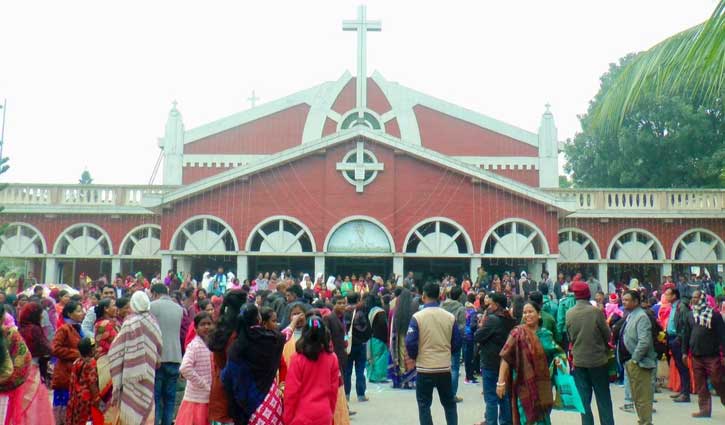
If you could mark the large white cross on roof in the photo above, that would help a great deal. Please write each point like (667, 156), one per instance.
(362, 26)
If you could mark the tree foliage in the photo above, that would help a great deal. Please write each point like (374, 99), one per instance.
(663, 141)
(690, 64)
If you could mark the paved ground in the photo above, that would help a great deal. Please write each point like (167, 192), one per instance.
(398, 407)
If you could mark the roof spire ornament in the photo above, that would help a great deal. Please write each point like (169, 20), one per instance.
(253, 99)
(362, 26)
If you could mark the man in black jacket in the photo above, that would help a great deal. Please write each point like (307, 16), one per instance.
(675, 335)
(356, 317)
(493, 330)
(704, 336)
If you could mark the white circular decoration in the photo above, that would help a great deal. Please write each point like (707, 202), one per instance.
(359, 167)
(359, 237)
(438, 237)
(281, 235)
(21, 240)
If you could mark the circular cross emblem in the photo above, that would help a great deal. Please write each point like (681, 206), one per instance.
(359, 167)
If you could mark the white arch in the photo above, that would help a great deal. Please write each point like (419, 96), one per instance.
(590, 239)
(364, 218)
(414, 229)
(712, 249)
(651, 236)
(23, 243)
(537, 231)
(291, 219)
(130, 238)
(204, 217)
(104, 235)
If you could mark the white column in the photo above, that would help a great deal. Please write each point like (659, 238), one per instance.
(51, 271)
(115, 268)
(242, 268)
(319, 264)
(603, 277)
(167, 263)
(473, 270)
(551, 267)
(398, 265)
(665, 271)
(183, 264)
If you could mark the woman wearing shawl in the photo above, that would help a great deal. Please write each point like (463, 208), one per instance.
(65, 348)
(32, 332)
(105, 330)
(133, 371)
(220, 340)
(378, 355)
(251, 369)
(400, 316)
(524, 370)
(24, 400)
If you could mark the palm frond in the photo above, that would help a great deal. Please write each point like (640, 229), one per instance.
(690, 63)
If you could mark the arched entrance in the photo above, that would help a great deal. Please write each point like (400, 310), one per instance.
(358, 245)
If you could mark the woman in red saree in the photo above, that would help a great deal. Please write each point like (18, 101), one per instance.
(106, 329)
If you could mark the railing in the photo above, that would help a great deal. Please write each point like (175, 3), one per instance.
(644, 199)
(77, 195)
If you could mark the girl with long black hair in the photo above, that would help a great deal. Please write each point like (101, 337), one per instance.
(400, 315)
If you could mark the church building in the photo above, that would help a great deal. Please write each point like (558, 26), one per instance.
(354, 175)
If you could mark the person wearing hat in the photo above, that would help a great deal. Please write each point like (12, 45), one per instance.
(493, 330)
(589, 335)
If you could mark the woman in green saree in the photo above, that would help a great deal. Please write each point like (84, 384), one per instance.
(524, 370)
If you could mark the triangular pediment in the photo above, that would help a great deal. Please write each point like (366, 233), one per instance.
(298, 152)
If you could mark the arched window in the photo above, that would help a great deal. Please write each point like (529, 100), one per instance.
(83, 240)
(143, 242)
(281, 235)
(576, 246)
(21, 240)
(699, 246)
(359, 236)
(438, 237)
(204, 235)
(636, 245)
(515, 238)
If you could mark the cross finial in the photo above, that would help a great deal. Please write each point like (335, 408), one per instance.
(548, 108)
(173, 104)
(253, 99)
(362, 26)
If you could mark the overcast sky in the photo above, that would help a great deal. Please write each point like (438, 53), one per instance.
(90, 84)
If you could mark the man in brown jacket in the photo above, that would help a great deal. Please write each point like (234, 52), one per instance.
(589, 334)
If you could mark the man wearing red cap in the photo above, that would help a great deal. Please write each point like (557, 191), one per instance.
(589, 334)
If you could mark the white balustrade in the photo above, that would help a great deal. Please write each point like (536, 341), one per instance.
(644, 199)
(78, 195)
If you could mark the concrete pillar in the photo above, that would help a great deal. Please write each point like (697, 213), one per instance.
(242, 267)
(398, 265)
(115, 268)
(473, 270)
(603, 277)
(319, 265)
(167, 263)
(51, 270)
(551, 267)
(665, 271)
(183, 264)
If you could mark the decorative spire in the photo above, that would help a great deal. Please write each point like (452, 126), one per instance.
(548, 150)
(362, 26)
(253, 99)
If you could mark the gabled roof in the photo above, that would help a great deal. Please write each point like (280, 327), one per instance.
(306, 149)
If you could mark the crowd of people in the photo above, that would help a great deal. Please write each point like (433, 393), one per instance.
(282, 348)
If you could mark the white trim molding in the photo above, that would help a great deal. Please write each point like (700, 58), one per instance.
(367, 218)
(224, 161)
(321, 108)
(501, 162)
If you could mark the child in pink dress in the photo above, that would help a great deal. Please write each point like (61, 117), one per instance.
(313, 378)
(196, 369)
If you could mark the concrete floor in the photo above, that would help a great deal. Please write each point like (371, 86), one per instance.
(398, 407)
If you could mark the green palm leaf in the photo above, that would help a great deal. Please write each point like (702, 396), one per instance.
(690, 63)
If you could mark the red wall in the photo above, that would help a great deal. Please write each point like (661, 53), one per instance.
(666, 233)
(52, 227)
(346, 100)
(312, 191)
(452, 136)
(269, 134)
